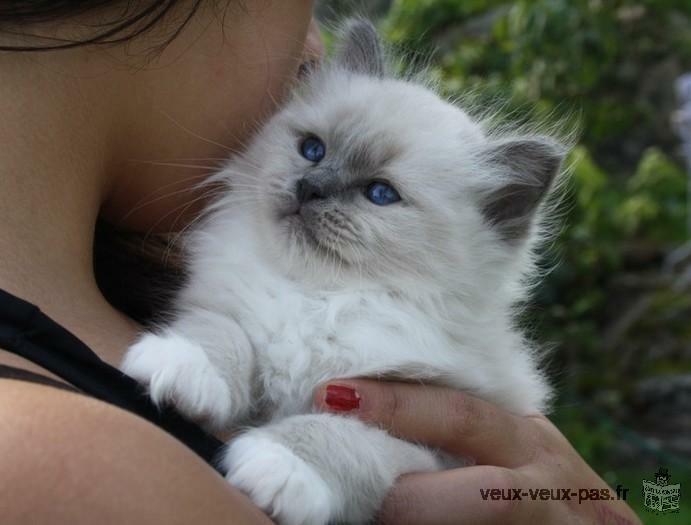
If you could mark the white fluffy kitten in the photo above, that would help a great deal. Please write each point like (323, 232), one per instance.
(370, 229)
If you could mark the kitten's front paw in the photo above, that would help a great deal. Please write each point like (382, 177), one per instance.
(278, 481)
(177, 371)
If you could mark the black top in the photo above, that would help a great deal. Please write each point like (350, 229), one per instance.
(29, 333)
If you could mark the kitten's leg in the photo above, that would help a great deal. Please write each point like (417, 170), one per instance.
(317, 468)
(202, 364)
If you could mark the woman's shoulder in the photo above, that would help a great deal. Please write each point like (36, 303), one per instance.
(14, 365)
(67, 458)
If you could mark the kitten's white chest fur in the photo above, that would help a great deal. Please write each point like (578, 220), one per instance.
(371, 334)
(302, 335)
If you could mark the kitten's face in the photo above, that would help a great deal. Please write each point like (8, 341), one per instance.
(381, 178)
(366, 177)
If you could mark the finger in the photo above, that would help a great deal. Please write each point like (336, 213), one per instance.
(441, 417)
(462, 496)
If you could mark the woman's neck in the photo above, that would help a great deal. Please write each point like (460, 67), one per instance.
(53, 178)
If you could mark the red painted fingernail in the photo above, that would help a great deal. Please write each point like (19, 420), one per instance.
(342, 398)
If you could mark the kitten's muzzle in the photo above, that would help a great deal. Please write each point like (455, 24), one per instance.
(320, 183)
(307, 190)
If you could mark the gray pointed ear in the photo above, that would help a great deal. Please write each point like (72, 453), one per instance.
(360, 49)
(528, 168)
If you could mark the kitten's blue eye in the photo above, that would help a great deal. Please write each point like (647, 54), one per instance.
(382, 194)
(313, 149)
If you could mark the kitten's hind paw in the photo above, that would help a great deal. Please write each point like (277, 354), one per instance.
(278, 481)
(177, 371)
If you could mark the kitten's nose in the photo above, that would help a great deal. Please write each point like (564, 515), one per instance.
(307, 191)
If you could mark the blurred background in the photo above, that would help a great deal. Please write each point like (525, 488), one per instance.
(617, 307)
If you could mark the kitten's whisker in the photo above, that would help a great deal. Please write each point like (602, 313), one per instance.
(177, 165)
(173, 241)
(196, 135)
(154, 200)
(237, 188)
(206, 195)
(240, 191)
(184, 210)
(184, 180)
(179, 235)
(241, 200)
(244, 161)
(219, 159)
(256, 190)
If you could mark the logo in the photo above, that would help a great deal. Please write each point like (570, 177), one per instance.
(659, 496)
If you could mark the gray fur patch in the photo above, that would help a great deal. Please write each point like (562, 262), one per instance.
(360, 50)
(532, 165)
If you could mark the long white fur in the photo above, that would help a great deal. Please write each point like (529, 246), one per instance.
(264, 318)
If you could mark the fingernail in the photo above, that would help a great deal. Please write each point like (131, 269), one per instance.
(342, 398)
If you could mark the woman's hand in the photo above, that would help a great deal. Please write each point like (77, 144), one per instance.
(525, 470)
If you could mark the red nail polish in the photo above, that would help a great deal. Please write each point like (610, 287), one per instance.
(342, 398)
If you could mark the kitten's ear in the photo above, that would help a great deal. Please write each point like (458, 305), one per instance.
(360, 49)
(528, 167)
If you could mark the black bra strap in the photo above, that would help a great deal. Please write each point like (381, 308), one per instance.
(27, 332)
(19, 374)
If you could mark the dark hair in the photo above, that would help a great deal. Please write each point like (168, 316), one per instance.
(133, 19)
(137, 274)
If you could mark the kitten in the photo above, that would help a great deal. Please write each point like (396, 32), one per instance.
(370, 229)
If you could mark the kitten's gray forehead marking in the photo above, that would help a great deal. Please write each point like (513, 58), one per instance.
(371, 158)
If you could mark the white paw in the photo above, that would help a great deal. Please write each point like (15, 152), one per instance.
(278, 481)
(177, 371)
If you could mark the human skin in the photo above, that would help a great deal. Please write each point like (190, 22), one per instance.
(94, 130)
(510, 452)
(76, 126)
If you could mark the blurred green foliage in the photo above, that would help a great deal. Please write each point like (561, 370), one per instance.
(613, 60)
(612, 307)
